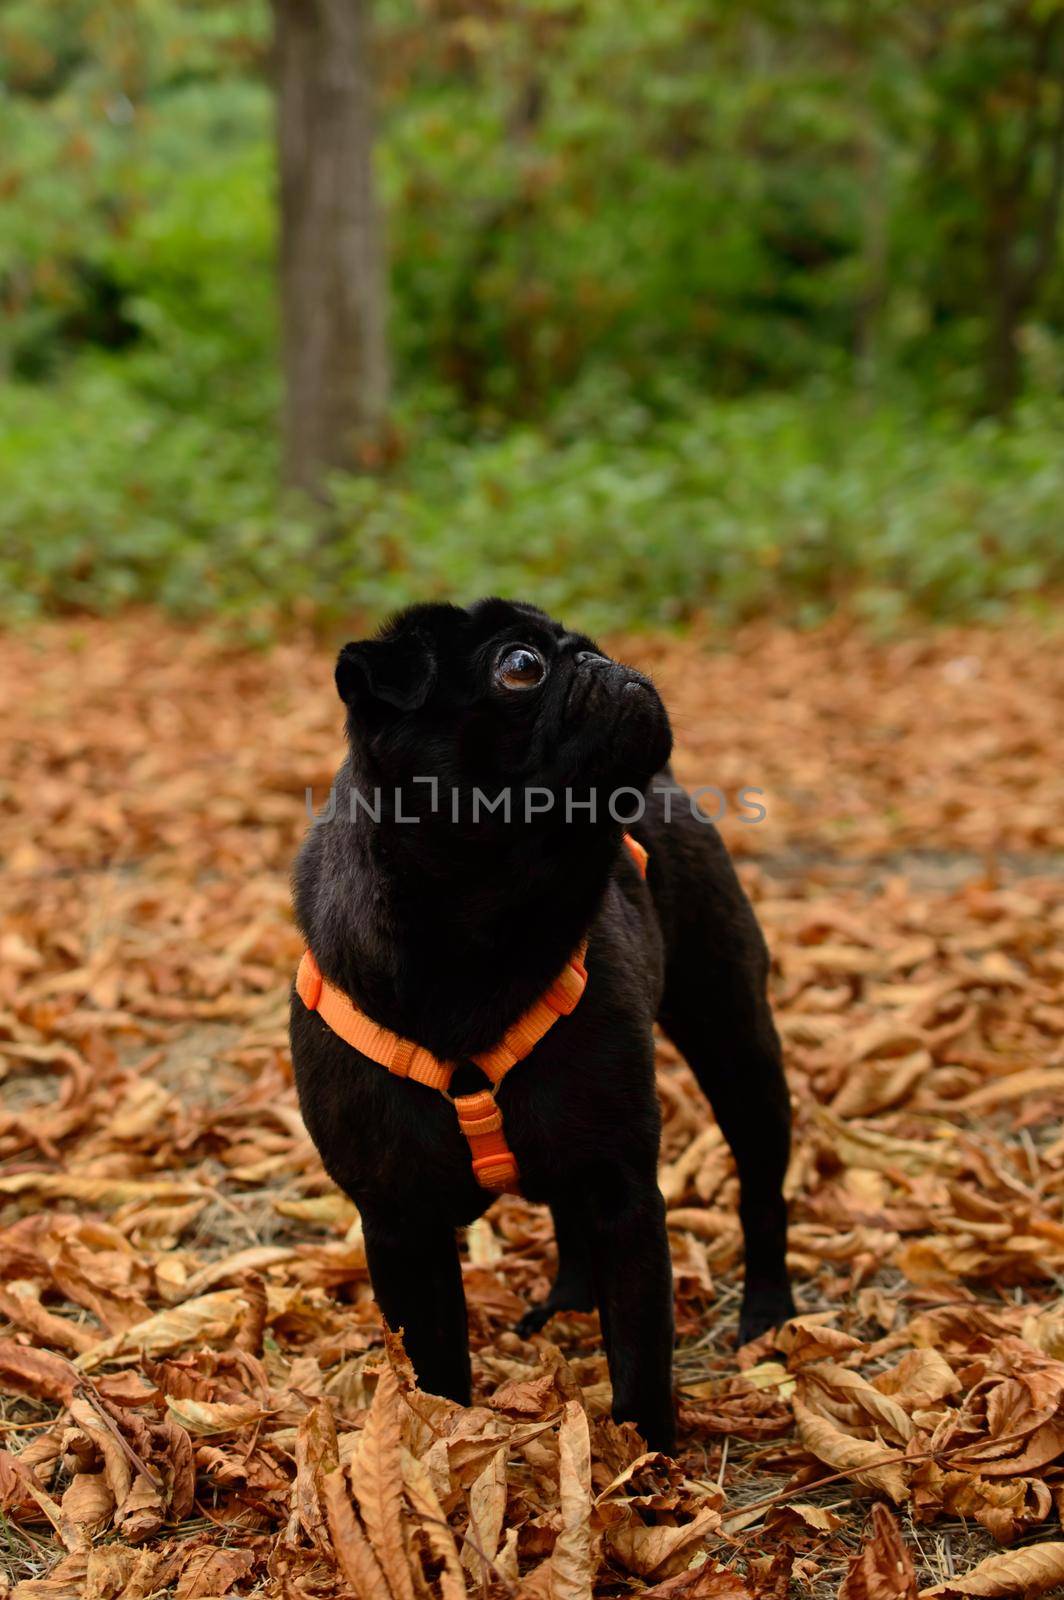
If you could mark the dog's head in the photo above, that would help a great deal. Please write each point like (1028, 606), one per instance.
(498, 695)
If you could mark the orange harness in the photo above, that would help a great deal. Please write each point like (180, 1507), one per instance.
(479, 1118)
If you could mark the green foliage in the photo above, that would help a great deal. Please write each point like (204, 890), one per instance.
(615, 515)
(690, 307)
(636, 184)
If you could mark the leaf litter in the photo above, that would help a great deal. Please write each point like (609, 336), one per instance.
(196, 1395)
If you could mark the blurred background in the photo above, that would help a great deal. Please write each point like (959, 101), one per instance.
(643, 310)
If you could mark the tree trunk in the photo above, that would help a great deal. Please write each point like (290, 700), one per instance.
(1006, 300)
(1002, 368)
(333, 307)
(875, 220)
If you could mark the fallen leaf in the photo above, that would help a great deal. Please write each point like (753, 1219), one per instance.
(1023, 1573)
(707, 1581)
(570, 1562)
(440, 1538)
(35, 1372)
(377, 1479)
(353, 1551)
(316, 1457)
(210, 1317)
(88, 1503)
(25, 1311)
(856, 1144)
(862, 1460)
(660, 1550)
(211, 1570)
(140, 1516)
(920, 1379)
(851, 1386)
(487, 1513)
(883, 1569)
(204, 1418)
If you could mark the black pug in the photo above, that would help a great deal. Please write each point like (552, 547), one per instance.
(447, 927)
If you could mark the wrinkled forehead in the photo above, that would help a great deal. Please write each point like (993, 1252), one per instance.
(454, 648)
(515, 620)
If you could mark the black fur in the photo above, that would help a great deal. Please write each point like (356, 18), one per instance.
(446, 929)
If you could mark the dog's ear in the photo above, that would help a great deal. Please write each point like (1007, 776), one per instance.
(400, 671)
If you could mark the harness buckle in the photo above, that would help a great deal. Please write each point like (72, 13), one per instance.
(497, 1172)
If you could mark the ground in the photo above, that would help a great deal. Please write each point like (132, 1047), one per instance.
(196, 1400)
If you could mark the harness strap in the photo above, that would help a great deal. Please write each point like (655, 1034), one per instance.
(520, 1040)
(638, 853)
(494, 1164)
(401, 1056)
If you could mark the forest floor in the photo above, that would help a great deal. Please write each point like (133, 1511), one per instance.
(194, 1395)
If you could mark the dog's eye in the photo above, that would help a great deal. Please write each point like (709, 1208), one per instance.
(520, 667)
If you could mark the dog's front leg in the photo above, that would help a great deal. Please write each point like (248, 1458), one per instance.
(573, 1287)
(633, 1282)
(417, 1279)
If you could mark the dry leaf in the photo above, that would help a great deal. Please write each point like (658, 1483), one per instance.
(377, 1479)
(851, 1386)
(707, 1581)
(856, 1144)
(920, 1379)
(353, 1551)
(116, 1571)
(316, 1457)
(35, 1372)
(811, 1338)
(865, 1462)
(1023, 1573)
(570, 1562)
(487, 1513)
(103, 1192)
(660, 1551)
(24, 1310)
(440, 1538)
(883, 1570)
(210, 1317)
(88, 1503)
(204, 1418)
(818, 1519)
(107, 1439)
(140, 1516)
(212, 1570)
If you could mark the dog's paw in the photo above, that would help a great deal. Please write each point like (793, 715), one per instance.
(535, 1320)
(762, 1313)
(572, 1295)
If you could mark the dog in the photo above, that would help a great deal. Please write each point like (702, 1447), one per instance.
(440, 922)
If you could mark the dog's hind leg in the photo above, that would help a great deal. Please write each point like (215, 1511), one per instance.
(417, 1279)
(573, 1287)
(717, 1013)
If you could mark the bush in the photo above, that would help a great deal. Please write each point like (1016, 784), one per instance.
(794, 503)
